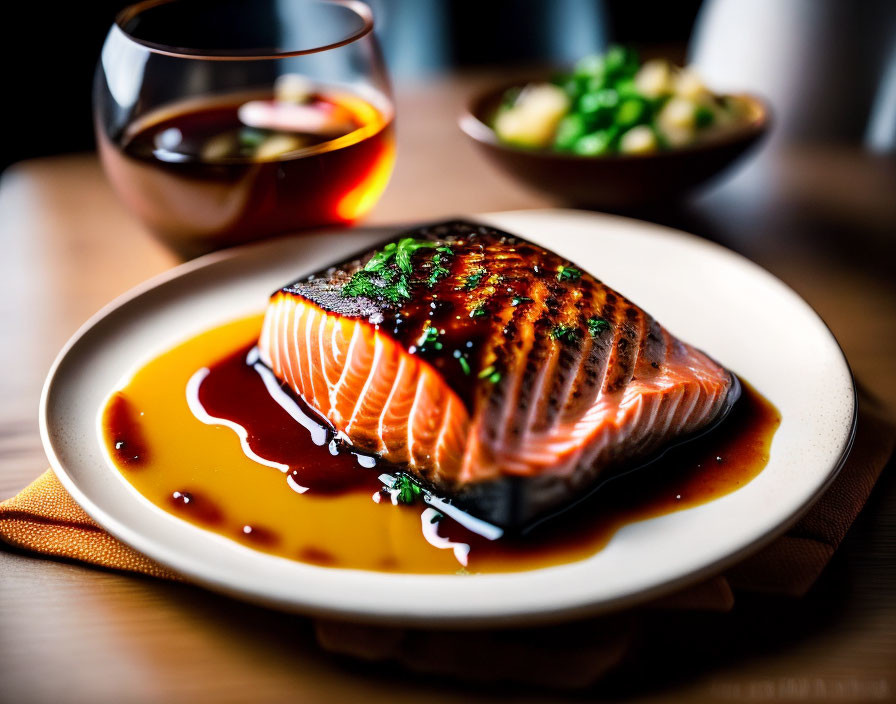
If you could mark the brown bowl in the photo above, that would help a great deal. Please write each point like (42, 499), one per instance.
(617, 181)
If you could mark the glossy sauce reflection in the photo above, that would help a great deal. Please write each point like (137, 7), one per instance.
(319, 506)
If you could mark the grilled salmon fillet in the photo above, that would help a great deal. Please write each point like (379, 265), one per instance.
(489, 368)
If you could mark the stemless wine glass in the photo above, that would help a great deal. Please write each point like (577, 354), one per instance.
(224, 121)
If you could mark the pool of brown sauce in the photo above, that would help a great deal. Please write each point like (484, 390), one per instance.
(200, 433)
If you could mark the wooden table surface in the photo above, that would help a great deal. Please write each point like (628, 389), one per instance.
(821, 218)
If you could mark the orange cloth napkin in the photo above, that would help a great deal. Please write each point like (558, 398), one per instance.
(44, 519)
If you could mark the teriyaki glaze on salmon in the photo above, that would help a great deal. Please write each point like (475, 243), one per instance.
(492, 371)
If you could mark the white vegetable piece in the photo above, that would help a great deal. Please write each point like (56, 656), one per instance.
(654, 79)
(689, 85)
(677, 121)
(638, 140)
(532, 120)
(678, 112)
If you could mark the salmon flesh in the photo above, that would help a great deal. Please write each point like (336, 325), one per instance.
(493, 371)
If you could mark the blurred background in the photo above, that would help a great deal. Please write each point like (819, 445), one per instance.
(838, 80)
(419, 37)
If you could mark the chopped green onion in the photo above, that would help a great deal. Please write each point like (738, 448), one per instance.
(386, 276)
(569, 273)
(566, 334)
(436, 268)
(597, 325)
(490, 374)
(408, 489)
(472, 280)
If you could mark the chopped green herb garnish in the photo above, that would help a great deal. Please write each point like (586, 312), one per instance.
(478, 312)
(597, 325)
(387, 285)
(490, 374)
(462, 360)
(387, 275)
(566, 333)
(436, 272)
(408, 489)
(381, 258)
(437, 267)
(431, 337)
(569, 273)
(520, 299)
(472, 280)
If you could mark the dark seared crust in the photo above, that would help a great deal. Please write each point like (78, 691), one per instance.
(325, 290)
(521, 373)
(480, 322)
(324, 287)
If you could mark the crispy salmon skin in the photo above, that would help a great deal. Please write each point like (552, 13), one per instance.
(488, 367)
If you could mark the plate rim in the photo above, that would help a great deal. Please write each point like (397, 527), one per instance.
(459, 620)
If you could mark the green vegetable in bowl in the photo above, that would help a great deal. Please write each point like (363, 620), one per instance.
(594, 143)
(632, 111)
(569, 130)
(611, 103)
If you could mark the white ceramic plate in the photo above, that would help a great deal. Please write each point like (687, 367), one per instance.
(704, 293)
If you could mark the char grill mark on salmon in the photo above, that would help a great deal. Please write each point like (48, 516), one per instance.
(493, 370)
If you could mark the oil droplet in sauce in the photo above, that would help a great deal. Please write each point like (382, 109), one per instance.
(258, 535)
(258, 467)
(125, 439)
(195, 506)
